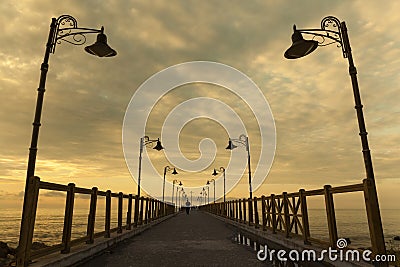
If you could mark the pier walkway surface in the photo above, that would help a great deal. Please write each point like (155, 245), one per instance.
(197, 239)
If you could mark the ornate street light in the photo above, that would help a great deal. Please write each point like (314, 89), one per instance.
(174, 172)
(176, 194)
(243, 140)
(62, 29)
(208, 183)
(144, 141)
(335, 32)
(215, 173)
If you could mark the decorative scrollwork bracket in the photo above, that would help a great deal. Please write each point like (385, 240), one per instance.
(331, 28)
(67, 30)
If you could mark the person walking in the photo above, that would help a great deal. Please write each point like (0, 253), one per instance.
(187, 206)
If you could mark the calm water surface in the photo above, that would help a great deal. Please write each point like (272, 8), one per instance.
(351, 223)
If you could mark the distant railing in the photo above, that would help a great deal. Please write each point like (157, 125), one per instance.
(145, 210)
(288, 213)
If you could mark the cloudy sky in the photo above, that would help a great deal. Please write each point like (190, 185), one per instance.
(311, 99)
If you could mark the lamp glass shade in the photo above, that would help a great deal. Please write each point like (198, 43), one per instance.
(100, 48)
(231, 145)
(174, 172)
(158, 146)
(300, 47)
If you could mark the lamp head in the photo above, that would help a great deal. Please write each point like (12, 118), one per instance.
(215, 173)
(300, 47)
(208, 183)
(180, 184)
(158, 145)
(100, 48)
(231, 145)
(174, 172)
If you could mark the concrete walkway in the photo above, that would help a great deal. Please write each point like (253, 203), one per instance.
(197, 239)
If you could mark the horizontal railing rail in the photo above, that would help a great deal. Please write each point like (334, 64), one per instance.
(142, 209)
(288, 213)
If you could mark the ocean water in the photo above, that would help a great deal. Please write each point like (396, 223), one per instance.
(351, 223)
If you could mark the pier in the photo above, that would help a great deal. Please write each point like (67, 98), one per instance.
(152, 233)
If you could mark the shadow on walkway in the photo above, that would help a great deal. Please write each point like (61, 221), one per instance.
(197, 239)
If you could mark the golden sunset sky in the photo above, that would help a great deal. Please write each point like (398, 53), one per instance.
(311, 99)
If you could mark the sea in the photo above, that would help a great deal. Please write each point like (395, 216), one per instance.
(351, 223)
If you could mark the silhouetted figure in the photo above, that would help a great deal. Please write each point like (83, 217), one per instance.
(187, 207)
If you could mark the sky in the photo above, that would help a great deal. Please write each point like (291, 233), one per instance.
(313, 139)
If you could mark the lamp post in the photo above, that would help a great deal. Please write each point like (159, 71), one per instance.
(64, 28)
(191, 198)
(215, 173)
(204, 194)
(208, 183)
(242, 140)
(334, 31)
(174, 172)
(173, 187)
(176, 193)
(208, 193)
(144, 141)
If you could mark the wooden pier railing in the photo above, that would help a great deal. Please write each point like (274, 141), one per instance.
(288, 213)
(144, 211)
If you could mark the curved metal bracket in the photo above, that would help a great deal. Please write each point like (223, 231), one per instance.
(67, 30)
(331, 28)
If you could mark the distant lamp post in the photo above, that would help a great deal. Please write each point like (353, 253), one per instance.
(64, 28)
(205, 195)
(208, 183)
(173, 187)
(176, 194)
(174, 172)
(215, 173)
(334, 31)
(144, 141)
(208, 193)
(243, 140)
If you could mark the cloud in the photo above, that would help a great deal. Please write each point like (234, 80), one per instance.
(86, 97)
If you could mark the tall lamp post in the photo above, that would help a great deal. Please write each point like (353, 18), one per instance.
(64, 28)
(208, 193)
(242, 140)
(174, 172)
(334, 31)
(144, 141)
(215, 173)
(173, 186)
(208, 183)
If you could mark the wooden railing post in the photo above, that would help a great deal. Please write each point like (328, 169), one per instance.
(263, 213)
(141, 210)
(129, 213)
(244, 211)
(69, 211)
(136, 214)
(28, 223)
(92, 216)
(107, 224)
(374, 220)
(120, 206)
(251, 220)
(286, 213)
(330, 214)
(304, 216)
(146, 211)
(240, 211)
(256, 218)
(273, 213)
(237, 210)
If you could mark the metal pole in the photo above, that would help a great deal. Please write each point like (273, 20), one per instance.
(373, 211)
(165, 172)
(25, 230)
(173, 187)
(140, 164)
(208, 195)
(248, 163)
(214, 190)
(224, 184)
